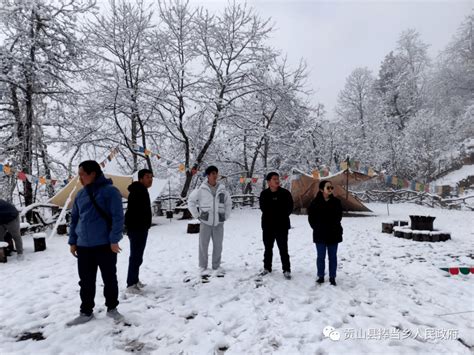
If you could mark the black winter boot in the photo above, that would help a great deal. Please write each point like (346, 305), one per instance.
(332, 281)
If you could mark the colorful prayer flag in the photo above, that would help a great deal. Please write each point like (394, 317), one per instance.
(21, 175)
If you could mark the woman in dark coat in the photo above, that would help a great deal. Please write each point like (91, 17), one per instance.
(324, 215)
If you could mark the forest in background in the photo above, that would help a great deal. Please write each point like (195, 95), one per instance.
(176, 88)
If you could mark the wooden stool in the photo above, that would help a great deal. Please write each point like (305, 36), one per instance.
(194, 228)
(62, 229)
(3, 252)
(39, 240)
(387, 227)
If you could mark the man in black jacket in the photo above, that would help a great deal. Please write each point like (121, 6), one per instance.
(138, 222)
(276, 204)
(10, 223)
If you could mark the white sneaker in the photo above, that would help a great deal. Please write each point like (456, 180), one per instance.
(140, 284)
(219, 272)
(115, 315)
(133, 290)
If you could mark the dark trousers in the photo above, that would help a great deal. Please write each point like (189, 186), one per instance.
(321, 258)
(281, 237)
(88, 260)
(137, 247)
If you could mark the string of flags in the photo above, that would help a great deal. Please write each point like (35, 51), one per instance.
(459, 270)
(254, 180)
(396, 181)
(317, 174)
(357, 166)
(7, 169)
(181, 167)
(109, 158)
(139, 149)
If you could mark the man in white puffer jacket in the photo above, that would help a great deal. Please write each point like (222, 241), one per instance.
(211, 204)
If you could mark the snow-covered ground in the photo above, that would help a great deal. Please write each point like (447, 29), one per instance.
(391, 295)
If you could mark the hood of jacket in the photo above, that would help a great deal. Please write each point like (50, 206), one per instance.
(136, 186)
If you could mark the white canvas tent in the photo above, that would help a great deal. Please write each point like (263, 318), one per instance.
(121, 182)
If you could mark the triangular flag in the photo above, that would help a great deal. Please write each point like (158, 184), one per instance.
(21, 176)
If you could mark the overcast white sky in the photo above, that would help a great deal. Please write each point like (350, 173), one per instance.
(335, 37)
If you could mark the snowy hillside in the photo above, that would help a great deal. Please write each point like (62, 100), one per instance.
(454, 177)
(391, 296)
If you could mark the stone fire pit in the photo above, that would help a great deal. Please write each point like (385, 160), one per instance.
(421, 230)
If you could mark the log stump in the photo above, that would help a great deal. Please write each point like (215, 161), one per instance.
(62, 229)
(39, 240)
(3, 252)
(194, 228)
(398, 233)
(387, 227)
(444, 237)
(435, 236)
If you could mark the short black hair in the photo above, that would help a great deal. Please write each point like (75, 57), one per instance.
(270, 175)
(143, 172)
(210, 169)
(90, 166)
(322, 184)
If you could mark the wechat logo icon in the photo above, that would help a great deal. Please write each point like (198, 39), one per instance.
(331, 333)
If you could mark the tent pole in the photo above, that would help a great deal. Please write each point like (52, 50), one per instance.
(347, 178)
(63, 212)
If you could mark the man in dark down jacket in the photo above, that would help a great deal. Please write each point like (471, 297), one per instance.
(138, 222)
(94, 235)
(10, 223)
(324, 216)
(276, 204)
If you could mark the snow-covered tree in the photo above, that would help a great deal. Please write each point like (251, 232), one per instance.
(120, 80)
(39, 58)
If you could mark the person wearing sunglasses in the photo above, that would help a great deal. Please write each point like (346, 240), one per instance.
(324, 216)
